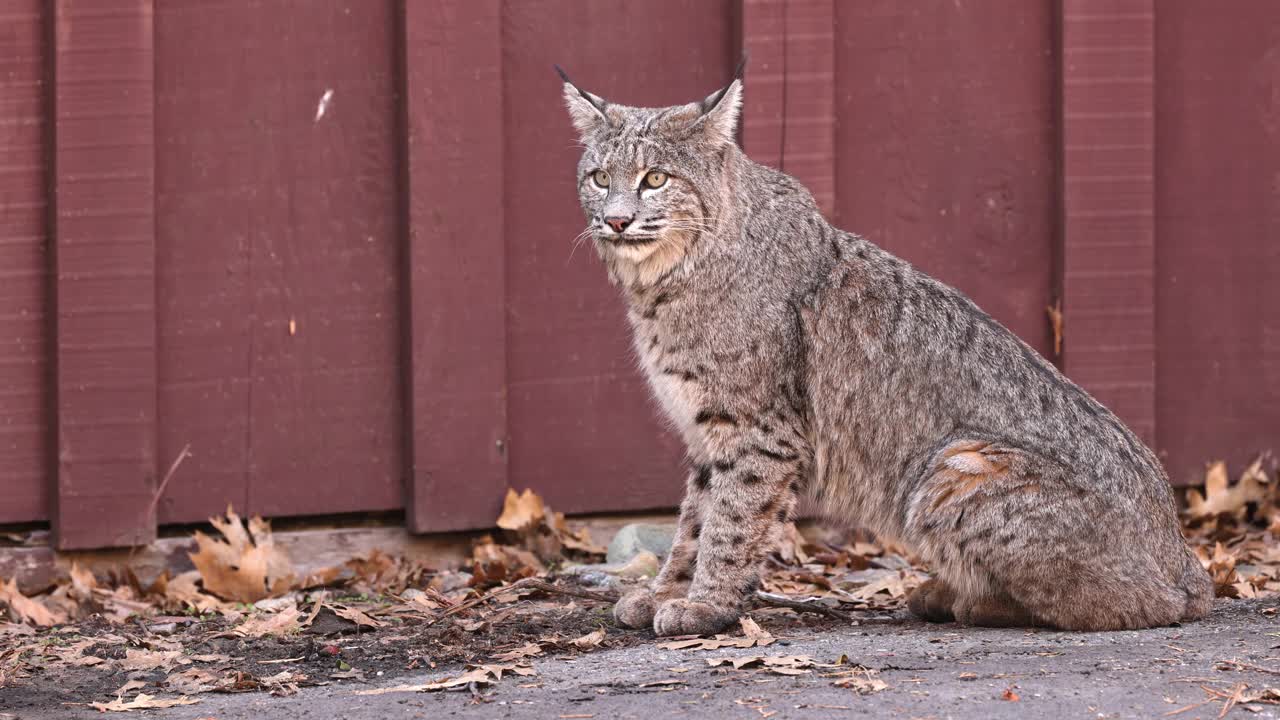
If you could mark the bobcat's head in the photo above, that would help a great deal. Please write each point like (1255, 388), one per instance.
(651, 180)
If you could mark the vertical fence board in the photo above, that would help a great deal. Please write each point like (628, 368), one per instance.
(278, 264)
(24, 264)
(456, 284)
(789, 118)
(104, 258)
(946, 137)
(1108, 204)
(1218, 221)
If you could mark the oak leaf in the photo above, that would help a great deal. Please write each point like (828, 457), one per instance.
(246, 566)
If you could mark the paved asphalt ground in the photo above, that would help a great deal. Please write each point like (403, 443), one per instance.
(932, 671)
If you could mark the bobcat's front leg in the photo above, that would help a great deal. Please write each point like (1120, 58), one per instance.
(637, 608)
(748, 495)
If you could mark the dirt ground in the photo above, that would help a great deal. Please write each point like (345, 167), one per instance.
(925, 671)
(524, 629)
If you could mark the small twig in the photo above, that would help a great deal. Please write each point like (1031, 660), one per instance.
(527, 583)
(1193, 706)
(1237, 665)
(155, 498)
(1236, 696)
(460, 607)
(609, 597)
(813, 606)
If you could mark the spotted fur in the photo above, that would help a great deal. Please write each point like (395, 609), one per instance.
(799, 361)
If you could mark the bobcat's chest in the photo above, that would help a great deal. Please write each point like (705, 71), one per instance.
(673, 377)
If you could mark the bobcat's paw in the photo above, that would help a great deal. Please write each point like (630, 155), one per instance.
(683, 616)
(636, 609)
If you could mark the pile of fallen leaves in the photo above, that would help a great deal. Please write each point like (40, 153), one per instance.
(243, 588)
(533, 587)
(1234, 528)
(840, 571)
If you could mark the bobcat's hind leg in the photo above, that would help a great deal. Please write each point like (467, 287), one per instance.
(1024, 543)
(993, 610)
(934, 601)
(637, 608)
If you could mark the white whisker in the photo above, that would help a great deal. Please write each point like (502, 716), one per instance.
(582, 236)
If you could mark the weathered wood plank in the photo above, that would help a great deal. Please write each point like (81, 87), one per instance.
(789, 115)
(1218, 225)
(1108, 204)
(104, 259)
(25, 414)
(278, 258)
(455, 263)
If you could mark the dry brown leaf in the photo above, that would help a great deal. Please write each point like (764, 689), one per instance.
(150, 659)
(791, 546)
(752, 629)
(889, 583)
(28, 610)
(1055, 323)
(324, 577)
(281, 623)
(526, 650)
(579, 540)
(643, 564)
(192, 681)
(246, 566)
(129, 687)
(1221, 497)
(82, 584)
(521, 511)
(142, 702)
(182, 592)
(590, 640)
(779, 664)
(8, 629)
(755, 636)
(861, 680)
(283, 683)
(493, 564)
(541, 530)
(120, 604)
(73, 654)
(356, 616)
(480, 675)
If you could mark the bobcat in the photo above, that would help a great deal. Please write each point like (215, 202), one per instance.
(797, 360)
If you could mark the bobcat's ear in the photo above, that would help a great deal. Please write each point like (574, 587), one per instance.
(585, 110)
(721, 109)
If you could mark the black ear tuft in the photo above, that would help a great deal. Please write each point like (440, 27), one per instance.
(711, 102)
(742, 65)
(596, 101)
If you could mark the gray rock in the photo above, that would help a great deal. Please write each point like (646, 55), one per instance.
(592, 575)
(636, 538)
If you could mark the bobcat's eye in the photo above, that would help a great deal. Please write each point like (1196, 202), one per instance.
(600, 178)
(655, 179)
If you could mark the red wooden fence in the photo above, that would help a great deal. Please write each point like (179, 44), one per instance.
(328, 245)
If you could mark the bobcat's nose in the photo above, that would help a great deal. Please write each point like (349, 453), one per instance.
(619, 223)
